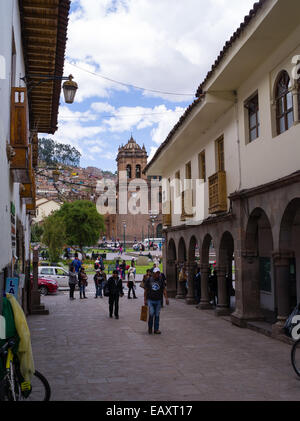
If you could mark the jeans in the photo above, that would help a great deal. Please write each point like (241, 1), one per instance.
(98, 290)
(82, 290)
(154, 310)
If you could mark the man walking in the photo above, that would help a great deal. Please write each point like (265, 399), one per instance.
(115, 287)
(155, 289)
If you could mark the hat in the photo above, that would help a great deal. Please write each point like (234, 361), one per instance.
(156, 270)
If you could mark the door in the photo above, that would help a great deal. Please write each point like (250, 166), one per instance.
(62, 277)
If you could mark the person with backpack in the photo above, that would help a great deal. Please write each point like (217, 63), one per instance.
(82, 282)
(76, 263)
(114, 289)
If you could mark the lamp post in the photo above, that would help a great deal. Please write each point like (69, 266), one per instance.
(69, 87)
(153, 218)
(124, 235)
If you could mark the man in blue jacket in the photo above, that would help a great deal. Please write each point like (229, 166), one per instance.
(76, 263)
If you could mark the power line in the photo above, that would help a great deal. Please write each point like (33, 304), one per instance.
(118, 115)
(128, 84)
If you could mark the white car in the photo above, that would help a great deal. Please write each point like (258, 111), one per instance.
(56, 273)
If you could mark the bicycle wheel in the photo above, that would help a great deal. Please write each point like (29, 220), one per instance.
(295, 357)
(41, 390)
(10, 387)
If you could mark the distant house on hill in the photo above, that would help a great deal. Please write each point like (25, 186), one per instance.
(44, 208)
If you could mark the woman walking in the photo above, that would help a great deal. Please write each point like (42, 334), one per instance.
(82, 282)
(72, 281)
(131, 282)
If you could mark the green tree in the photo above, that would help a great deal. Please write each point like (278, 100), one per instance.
(83, 224)
(36, 233)
(52, 153)
(54, 236)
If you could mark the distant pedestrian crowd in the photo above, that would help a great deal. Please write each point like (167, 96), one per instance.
(153, 283)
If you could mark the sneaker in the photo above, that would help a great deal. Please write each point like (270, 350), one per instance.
(96, 297)
(129, 298)
(157, 332)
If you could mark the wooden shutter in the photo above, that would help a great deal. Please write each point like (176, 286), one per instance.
(18, 128)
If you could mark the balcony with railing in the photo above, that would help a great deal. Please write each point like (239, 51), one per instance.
(217, 193)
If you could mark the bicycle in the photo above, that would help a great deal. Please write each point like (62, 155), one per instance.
(12, 385)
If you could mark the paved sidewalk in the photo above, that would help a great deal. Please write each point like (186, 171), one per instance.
(87, 356)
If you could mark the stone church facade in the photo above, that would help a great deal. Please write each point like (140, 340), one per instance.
(134, 219)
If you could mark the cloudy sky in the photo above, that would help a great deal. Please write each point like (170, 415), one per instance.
(158, 50)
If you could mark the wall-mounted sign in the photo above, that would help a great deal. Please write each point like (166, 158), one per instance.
(12, 287)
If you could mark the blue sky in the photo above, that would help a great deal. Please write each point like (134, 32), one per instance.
(160, 45)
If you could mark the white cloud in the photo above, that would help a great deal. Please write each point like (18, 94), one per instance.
(165, 45)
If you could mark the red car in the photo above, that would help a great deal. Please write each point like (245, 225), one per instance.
(46, 286)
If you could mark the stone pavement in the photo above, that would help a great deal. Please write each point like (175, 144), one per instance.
(87, 356)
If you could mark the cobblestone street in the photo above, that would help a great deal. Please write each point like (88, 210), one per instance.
(85, 355)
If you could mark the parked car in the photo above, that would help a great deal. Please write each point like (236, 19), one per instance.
(56, 273)
(46, 286)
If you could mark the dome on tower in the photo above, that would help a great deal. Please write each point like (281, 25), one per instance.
(132, 145)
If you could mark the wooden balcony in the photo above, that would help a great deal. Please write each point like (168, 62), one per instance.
(217, 193)
(167, 220)
(19, 164)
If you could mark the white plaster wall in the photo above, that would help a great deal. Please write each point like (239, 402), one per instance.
(269, 157)
(9, 24)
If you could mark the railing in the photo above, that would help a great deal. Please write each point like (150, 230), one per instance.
(217, 193)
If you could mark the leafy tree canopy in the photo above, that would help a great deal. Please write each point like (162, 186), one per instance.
(83, 223)
(52, 152)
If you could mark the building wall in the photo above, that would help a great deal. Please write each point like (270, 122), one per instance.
(9, 27)
(247, 165)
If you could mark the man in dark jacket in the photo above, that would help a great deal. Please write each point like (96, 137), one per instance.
(155, 289)
(115, 287)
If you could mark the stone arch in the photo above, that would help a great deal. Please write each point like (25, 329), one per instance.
(191, 269)
(182, 252)
(224, 272)
(171, 268)
(258, 256)
(205, 249)
(288, 258)
(182, 264)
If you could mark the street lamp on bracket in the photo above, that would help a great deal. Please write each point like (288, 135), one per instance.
(69, 87)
